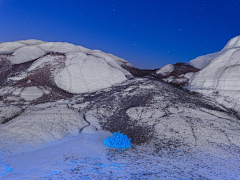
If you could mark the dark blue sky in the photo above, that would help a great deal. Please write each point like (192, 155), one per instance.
(147, 33)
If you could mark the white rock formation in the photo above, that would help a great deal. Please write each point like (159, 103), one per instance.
(187, 75)
(74, 69)
(233, 43)
(26, 54)
(202, 61)
(31, 93)
(87, 73)
(59, 47)
(8, 111)
(31, 42)
(221, 76)
(44, 125)
(166, 70)
(10, 47)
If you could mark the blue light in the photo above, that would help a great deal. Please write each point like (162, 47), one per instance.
(4, 169)
(118, 141)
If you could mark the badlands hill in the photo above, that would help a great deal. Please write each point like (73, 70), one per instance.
(219, 76)
(51, 91)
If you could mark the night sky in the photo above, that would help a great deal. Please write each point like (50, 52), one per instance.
(147, 33)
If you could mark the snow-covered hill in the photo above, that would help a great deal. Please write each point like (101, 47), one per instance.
(220, 78)
(71, 98)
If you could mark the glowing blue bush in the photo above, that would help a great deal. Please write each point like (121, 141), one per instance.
(118, 141)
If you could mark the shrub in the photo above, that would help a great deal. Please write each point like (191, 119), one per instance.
(118, 141)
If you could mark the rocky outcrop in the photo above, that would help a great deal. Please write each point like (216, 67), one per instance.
(177, 74)
(71, 68)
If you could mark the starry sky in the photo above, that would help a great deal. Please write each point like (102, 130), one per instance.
(147, 33)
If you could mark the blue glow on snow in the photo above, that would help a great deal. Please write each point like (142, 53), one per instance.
(118, 141)
(4, 169)
(53, 172)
